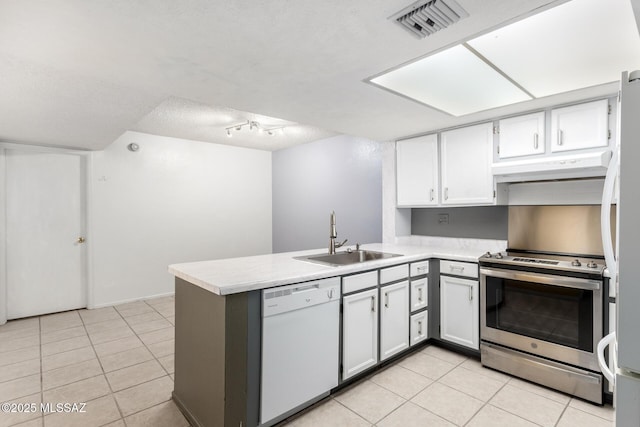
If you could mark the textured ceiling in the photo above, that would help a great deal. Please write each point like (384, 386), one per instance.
(78, 73)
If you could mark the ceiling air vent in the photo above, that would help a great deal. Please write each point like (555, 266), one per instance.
(424, 18)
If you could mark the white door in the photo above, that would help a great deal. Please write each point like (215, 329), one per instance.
(580, 126)
(521, 136)
(417, 171)
(467, 154)
(359, 332)
(44, 221)
(394, 319)
(459, 311)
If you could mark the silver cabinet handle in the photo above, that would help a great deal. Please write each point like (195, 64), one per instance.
(386, 299)
(422, 269)
(559, 136)
(431, 194)
(419, 327)
(420, 294)
(446, 193)
(470, 293)
(456, 267)
(535, 140)
(373, 304)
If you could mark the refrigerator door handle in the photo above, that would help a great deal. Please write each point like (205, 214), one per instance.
(605, 216)
(609, 374)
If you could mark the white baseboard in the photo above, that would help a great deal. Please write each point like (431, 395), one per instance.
(112, 303)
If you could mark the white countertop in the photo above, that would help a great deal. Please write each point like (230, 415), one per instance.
(235, 275)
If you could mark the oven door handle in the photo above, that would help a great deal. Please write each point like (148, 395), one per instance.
(547, 279)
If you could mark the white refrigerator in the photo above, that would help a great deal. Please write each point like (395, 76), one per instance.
(625, 270)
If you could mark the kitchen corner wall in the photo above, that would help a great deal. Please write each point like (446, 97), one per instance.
(341, 173)
(172, 201)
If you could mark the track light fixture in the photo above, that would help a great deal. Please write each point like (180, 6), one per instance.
(252, 124)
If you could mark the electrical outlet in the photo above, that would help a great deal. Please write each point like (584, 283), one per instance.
(443, 218)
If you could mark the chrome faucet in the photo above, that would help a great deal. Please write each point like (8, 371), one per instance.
(333, 234)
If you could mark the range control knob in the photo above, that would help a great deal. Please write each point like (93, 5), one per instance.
(592, 264)
(498, 255)
(488, 254)
(576, 263)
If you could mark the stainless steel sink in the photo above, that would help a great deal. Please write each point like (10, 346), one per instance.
(346, 258)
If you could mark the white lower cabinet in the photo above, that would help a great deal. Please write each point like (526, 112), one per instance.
(394, 319)
(419, 327)
(459, 311)
(359, 332)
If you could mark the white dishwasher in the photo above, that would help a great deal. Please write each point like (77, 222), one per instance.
(300, 335)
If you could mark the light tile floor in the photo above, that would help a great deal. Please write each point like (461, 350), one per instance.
(119, 361)
(437, 387)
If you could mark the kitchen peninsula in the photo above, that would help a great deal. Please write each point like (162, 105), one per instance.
(219, 322)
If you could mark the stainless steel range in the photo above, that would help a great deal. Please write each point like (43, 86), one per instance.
(541, 317)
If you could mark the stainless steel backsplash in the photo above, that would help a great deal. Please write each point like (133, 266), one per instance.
(563, 229)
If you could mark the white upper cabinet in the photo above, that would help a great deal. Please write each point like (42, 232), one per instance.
(417, 171)
(580, 126)
(466, 165)
(521, 136)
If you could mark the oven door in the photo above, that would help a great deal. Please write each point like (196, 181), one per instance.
(552, 316)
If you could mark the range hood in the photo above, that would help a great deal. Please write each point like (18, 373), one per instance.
(581, 165)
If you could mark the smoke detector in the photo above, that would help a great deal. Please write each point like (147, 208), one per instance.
(426, 17)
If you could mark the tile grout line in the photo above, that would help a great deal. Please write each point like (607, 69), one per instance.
(486, 403)
(102, 369)
(41, 370)
(562, 413)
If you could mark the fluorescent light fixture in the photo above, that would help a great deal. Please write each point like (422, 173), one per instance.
(578, 44)
(455, 81)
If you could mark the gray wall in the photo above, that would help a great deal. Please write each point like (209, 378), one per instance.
(478, 222)
(341, 173)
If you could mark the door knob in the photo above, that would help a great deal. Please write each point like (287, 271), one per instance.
(80, 240)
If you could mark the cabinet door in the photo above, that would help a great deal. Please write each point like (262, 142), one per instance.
(419, 294)
(459, 311)
(419, 327)
(580, 126)
(417, 171)
(521, 136)
(359, 332)
(466, 165)
(394, 319)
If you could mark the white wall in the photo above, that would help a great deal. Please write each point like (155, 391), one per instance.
(395, 222)
(172, 201)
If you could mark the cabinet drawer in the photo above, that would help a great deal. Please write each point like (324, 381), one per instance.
(419, 268)
(392, 274)
(419, 292)
(456, 268)
(419, 331)
(359, 281)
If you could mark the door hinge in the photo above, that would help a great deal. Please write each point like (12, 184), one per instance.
(498, 148)
(494, 194)
(608, 134)
(496, 130)
(609, 108)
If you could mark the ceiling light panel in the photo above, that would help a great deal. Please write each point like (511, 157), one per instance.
(455, 81)
(578, 44)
